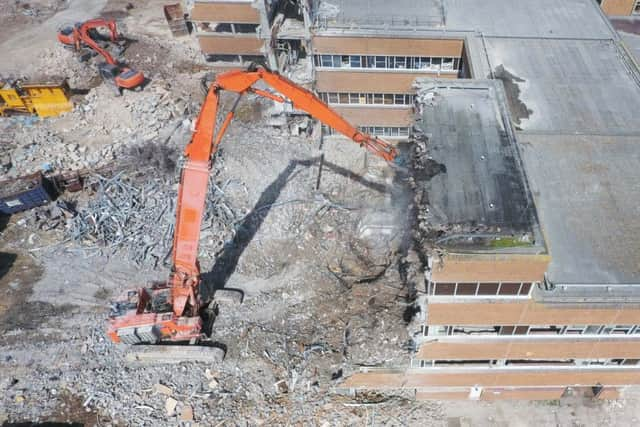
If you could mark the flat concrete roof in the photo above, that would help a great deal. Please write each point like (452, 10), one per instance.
(573, 94)
(565, 86)
(587, 190)
(542, 18)
(478, 198)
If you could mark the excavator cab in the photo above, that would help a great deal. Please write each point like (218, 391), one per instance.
(121, 77)
(85, 38)
(65, 35)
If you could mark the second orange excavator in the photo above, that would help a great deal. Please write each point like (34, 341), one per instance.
(173, 311)
(83, 35)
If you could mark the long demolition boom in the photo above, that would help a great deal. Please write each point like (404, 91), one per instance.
(204, 144)
(137, 321)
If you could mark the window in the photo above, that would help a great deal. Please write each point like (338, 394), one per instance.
(592, 329)
(326, 61)
(573, 330)
(439, 288)
(222, 28)
(222, 58)
(543, 330)
(524, 290)
(509, 288)
(424, 63)
(333, 98)
(445, 289)
(506, 330)
(606, 330)
(354, 98)
(399, 62)
(247, 59)
(370, 61)
(466, 288)
(622, 329)
(245, 28)
(488, 289)
(521, 330)
(636, 8)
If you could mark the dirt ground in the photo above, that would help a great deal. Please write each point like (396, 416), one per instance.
(325, 269)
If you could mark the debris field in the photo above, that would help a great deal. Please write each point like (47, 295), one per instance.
(322, 296)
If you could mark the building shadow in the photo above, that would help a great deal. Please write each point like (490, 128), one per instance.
(226, 264)
(7, 260)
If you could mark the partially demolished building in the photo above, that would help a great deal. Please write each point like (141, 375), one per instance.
(527, 119)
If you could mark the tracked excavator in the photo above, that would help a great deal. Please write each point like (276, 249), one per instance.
(173, 311)
(84, 35)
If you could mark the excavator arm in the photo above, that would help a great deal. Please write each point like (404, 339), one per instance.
(242, 82)
(134, 319)
(81, 35)
(204, 144)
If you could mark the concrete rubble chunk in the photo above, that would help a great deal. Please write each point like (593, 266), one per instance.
(281, 387)
(162, 389)
(170, 406)
(186, 413)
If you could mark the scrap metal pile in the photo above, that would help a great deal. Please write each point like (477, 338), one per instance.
(137, 219)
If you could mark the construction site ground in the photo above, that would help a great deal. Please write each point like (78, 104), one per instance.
(323, 256)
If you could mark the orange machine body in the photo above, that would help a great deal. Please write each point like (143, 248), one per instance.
(183, 299)
(79, 36)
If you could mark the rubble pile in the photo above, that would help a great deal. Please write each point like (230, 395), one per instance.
(139, 219)
(100, 129)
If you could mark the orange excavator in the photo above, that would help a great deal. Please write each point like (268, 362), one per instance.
(172, 311)
(84, 35)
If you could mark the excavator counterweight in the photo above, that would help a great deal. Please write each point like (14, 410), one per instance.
(173, 310)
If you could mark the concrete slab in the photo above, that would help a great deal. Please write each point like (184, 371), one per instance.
(587, 189)
(473, 178)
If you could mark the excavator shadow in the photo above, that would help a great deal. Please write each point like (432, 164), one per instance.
(227, 262)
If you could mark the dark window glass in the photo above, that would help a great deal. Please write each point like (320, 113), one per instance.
(258, 59)
(525, 289)
(509, 288)
(507, 330)
(521, 330)
(245, 28)
(445, 288)
(466, 289)
(488, 289)
(223, 58)
(222, 28)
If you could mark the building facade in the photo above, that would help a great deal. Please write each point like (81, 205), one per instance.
(620, 7)
(539, 296)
